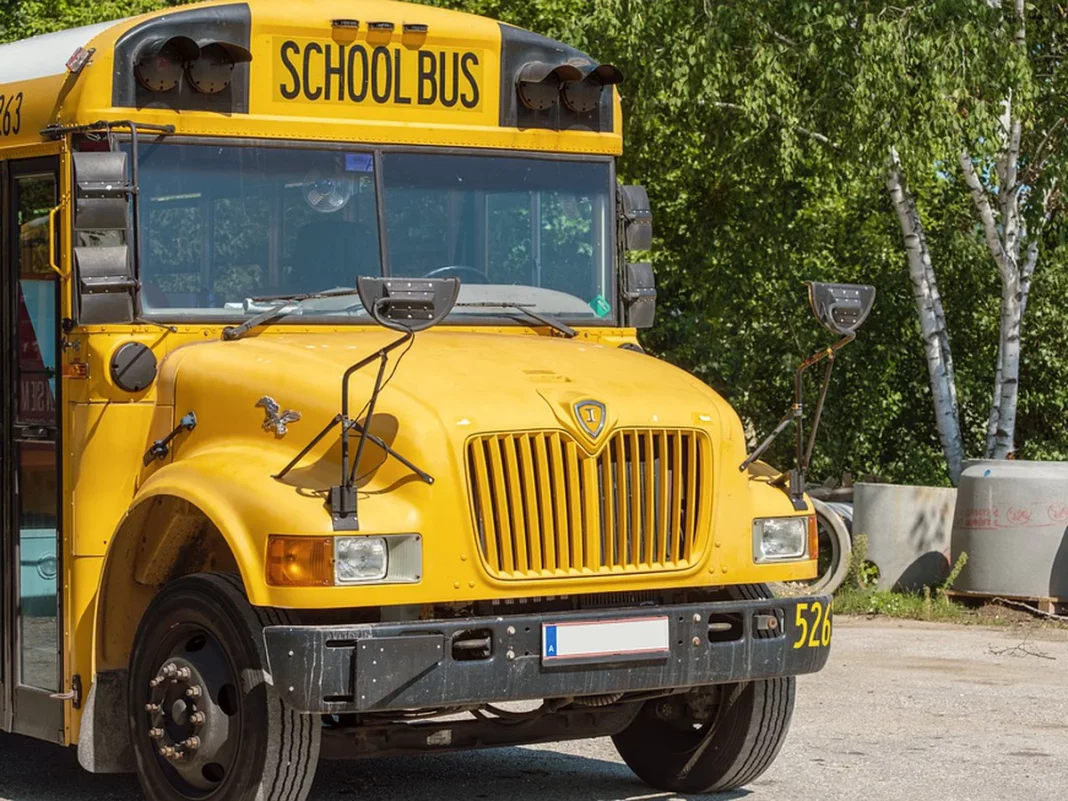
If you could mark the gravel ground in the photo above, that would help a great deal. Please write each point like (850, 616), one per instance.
(903, 710)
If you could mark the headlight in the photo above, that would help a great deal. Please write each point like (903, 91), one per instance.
(310, 561)
(780, 538)
(360, 559)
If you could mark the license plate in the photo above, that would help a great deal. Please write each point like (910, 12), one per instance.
(812, 625)
(634, 638)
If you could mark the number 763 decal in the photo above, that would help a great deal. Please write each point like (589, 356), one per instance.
(813, 623)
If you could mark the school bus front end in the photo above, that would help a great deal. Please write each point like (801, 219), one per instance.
(360, 440)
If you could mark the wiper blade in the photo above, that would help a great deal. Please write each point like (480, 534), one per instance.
(544, 319)
(232, 332)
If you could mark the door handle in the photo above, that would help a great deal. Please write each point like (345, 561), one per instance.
(35, 432)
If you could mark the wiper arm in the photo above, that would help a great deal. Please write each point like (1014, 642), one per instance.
(544, 319)
(232, 332)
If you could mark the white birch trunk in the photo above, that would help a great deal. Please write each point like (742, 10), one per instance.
(932, 320)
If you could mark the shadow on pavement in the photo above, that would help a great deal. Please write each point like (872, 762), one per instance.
(35, 771)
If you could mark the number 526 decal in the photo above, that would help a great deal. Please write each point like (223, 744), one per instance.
(813, 624)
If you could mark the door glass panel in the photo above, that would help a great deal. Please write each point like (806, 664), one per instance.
(38, 565)
(35, 432)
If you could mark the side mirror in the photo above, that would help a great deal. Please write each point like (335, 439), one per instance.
(841, 308)
(103, 261)
(408, 304)
(639, 295)
(637, 218)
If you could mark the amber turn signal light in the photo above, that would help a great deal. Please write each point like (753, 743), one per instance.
(813, 538)
(300, 561)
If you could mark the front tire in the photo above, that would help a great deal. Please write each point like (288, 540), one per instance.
(713, 739)
(205, 718)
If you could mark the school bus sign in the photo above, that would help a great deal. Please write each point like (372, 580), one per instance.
(311, 71)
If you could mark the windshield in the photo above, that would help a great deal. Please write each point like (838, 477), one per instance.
(221, 225)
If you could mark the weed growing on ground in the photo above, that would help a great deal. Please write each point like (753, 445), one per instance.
(858, 595)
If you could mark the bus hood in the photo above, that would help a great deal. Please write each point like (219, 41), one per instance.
(449, 386)
(466, 381)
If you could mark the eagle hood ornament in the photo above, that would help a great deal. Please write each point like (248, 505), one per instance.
(275, 422)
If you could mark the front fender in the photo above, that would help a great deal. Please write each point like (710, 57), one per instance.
(233, 489)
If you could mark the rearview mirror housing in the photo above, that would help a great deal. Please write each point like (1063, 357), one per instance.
(637, 218)
(408, 304)
(639, 295)
(103, 259)
(841, 308)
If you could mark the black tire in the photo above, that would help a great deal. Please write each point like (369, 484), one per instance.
(200, 635)
(734, 743)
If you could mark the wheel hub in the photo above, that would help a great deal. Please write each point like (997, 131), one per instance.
(192, 715)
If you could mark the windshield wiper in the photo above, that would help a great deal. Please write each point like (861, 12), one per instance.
(232, 332)
(544, 319)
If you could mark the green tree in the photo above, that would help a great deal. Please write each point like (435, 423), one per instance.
(764, 132)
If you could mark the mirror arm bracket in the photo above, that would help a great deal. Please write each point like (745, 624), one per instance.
(796, 415)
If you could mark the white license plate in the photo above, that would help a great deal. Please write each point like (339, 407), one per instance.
(633, 638)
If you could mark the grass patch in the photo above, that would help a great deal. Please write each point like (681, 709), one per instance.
(858, 596)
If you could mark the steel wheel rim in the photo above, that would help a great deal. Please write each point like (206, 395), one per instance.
(194, 711)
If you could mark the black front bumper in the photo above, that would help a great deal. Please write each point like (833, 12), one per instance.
(413, 665)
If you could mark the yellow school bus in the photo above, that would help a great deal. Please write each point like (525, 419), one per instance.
(326, 427)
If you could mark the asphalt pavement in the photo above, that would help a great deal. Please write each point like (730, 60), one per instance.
(903, 710)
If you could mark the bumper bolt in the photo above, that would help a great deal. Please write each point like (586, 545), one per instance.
(696, 641)
(510, 655)
(696, 618)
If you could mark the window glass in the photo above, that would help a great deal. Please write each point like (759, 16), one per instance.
(225, 228)
(221, 225)
(515, 230)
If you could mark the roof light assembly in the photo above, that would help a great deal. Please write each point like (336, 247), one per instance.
(160, 64)
(538, 83)
(213, 71)
(583, 96)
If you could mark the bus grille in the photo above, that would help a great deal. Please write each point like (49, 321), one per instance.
(544, 508)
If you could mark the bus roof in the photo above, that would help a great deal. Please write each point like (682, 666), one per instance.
(402, 74)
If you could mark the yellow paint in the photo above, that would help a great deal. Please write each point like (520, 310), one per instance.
(127, 523)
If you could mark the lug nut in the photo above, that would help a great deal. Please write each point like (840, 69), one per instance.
(152, 708)
(156, 682)
(197, 718)
(169, 670)
(155, 734)
(183, 673)
(193, 743)
(167, 751)
(192, 692)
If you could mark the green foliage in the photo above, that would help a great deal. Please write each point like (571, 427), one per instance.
(858, 595)
(761, 130)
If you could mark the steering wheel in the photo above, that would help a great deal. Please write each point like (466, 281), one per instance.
(478, 277)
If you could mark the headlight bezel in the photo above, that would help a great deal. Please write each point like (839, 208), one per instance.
(307, 561)
(799, 523)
